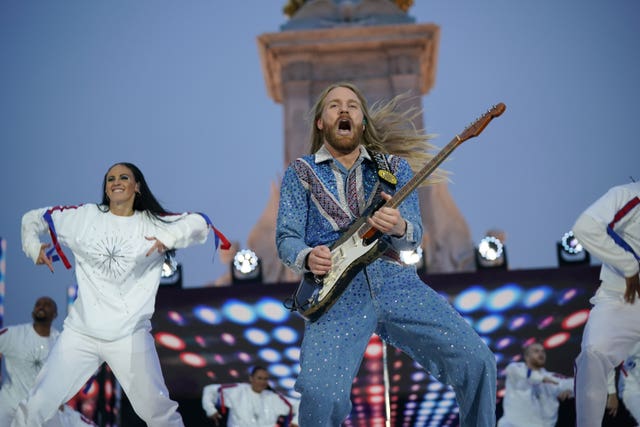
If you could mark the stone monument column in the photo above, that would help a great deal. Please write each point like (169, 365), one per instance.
(377, 46)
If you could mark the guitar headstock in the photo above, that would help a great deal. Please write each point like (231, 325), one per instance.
(475, 128)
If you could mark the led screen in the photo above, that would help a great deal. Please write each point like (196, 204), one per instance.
(215, 335)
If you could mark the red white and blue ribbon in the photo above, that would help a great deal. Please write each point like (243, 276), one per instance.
(220, 239)
(54, 239)
(633, 203)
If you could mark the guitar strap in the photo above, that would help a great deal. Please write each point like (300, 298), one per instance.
(387, 179)
(388, 183)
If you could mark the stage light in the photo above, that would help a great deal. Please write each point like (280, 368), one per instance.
(171, 274)
(246, 267)
(491, 253)
(169, 265)
(415, 257)
(571, 252)
(411, 257)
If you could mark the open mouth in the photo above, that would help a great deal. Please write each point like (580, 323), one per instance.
(344, 126)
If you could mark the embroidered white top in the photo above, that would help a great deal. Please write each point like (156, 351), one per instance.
(117, 282)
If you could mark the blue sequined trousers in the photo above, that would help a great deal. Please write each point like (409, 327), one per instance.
(317, 201)
(393, 302)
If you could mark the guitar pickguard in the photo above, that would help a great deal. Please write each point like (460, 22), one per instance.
(314, 297)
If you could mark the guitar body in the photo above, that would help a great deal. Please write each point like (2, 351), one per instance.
(350, 254)
(360, 244)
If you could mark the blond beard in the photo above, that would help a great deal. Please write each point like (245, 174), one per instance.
(342, 144)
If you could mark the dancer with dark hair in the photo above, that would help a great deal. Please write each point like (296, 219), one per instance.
(253, 404)
(323, 194)
(119, 247)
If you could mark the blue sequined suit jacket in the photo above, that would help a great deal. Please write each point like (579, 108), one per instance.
(319, 199)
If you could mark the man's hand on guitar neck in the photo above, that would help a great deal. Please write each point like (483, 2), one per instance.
(319, 260)
(388, 220)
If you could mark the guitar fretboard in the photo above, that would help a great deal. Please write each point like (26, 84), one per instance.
(423, 174)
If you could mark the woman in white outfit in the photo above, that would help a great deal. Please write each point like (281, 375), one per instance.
(119, 247)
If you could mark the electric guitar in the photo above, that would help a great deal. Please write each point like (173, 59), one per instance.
(360, 244)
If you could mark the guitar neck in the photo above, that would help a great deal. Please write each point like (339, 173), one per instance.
(470, 131)
(420, 176)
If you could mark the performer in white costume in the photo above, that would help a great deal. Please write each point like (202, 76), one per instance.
(249, 405)
(533, 394)
(119, 247)
(610, 230)
(24, 349)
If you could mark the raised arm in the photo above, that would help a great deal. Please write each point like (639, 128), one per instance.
(181, 231)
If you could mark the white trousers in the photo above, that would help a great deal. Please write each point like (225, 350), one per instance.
(610, 334)
(75, 357)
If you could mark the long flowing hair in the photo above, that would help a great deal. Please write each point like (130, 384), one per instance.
(144, 200)
(389, 129)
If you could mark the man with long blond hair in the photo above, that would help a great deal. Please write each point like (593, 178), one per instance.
(321, 195)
